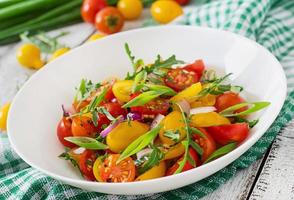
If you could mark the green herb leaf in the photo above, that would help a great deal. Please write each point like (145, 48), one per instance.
(182, 163)
(153, 159)
(197, 132)
(104, 111)
(95, 101)
(191, 160)
(172, 134)
(250, 123)
(255, 106)
(140, 78)
(86, 142)
(129, 53)
(165, 63)
(143, 98)
(140, 143)
(221, 151)
(197, 147)
(66, 156)
(161, 89)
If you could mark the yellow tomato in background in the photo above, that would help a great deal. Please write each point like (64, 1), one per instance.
(165, 11)
(208, 119)
(188, 94)
(122, 90)
(130, 9)
(58, 53)
(95, 36)
(29, 55)
(155, 172)
(3, 116)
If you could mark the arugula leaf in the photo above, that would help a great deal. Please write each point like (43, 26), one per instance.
(153, 159)
(95, 101)
(221, 151)
(161, 88)
(66, 156)
(191, 160)
(140, 143)
(172, 134)
(86, 142)
(197, 132)
(255, 106)
(140, 79)
(164, 63)
(143, 98)
(104, 111)
(197, 147)
(129, 53)
(85, 89)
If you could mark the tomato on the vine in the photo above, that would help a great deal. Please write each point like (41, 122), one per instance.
(90, 8)
(64, 130)
(109, 20)
(86, 163)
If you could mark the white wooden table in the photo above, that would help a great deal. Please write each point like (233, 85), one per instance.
(269, 178)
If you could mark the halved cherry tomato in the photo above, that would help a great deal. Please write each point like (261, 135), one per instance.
(83, 126)
(228, 99)
(64, 130)
(109, 95)
(183, 2)
(206, 143)
(109, 20)
(86, 163)
(179, 79)
(124, 171)
(115, 109)
(225, 134)
(197, 67)
(187, 165)
(90, 8)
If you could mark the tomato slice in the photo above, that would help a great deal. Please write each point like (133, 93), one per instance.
(187, 165)
(225, 134)
(179, 79)
(207, 143)
(86, 163)
(198, 67)
(64, 130)
(228, 99)
(124, 171)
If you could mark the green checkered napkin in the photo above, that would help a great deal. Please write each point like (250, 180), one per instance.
(269, 22)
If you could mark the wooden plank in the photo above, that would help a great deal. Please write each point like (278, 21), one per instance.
(276, 180)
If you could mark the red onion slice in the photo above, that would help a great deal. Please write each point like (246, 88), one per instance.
(157, 120)
(143, 152)
(204, 109)
(109, 128)
(185, 106)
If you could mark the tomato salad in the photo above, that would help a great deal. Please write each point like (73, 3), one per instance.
(164, 118)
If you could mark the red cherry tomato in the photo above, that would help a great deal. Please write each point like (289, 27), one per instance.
(198, 67)
(183, 2)
(206, 143)
(86, 162)
(90, 8)
(228, 99)
(109, 95)
(64, 130)
(225, 134)
(179, 79)
(83, 126)
(115, 109)
(187, 165)
(109, 20)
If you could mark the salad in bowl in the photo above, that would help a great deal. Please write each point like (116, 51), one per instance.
(164, 118)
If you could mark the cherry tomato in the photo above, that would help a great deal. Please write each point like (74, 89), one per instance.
(90, 8)
(130, 9)
(124, 171)
(187, 165)
(225, 134)
(183, 2)
(164, 11)
(197, 67)
(64, 130)
(228, 99)
(206, 143)
(179, 79)
(109, 20)
(86, 163)
(83, 126)
(115, 109)
(109, 95)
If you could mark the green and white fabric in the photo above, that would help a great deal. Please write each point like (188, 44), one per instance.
(269, 22)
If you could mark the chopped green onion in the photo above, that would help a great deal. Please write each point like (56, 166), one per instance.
(221, 151)
(86, 142)
(255, 106)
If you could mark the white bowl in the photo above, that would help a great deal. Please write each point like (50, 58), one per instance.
(36, 109)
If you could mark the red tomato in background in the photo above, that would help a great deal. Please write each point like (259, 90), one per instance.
(64, 130)
(187, 165)
(90, 8)
(86, 162)
(206, 143)
(228, 99)
(109, 20)
(179, 79)
(198, 67)
(225, 134)
(183, 2)
(115, 109)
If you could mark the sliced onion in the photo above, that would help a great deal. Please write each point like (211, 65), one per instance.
(134, 116)
(157, 120)
(185, 106)
(204, 109)
(109, 128)
(68, 110)
(79, 150)
(143, 152)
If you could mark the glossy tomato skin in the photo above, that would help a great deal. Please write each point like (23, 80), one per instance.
(90, 8)
(187, 165)
(115, 109)
(83, 126)
(109, 96)
(183, 2)
(198, 67)
(86, 163)
(179, 79)
(225, 134)
(109, 20)
(207, 144)
(228, 99)
(64, 130)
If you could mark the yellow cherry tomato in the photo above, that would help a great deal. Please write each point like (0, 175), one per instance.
(188, 94)
(58, 53)
(130, 9)
(29, 55)
(96, 169)
(124, 134)
(96, 36)
(164, 11)
(174, 151)
(155, 172)
(3, 116)
(207, 100)
(208, 119)
(122, 90)
(173, 122)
